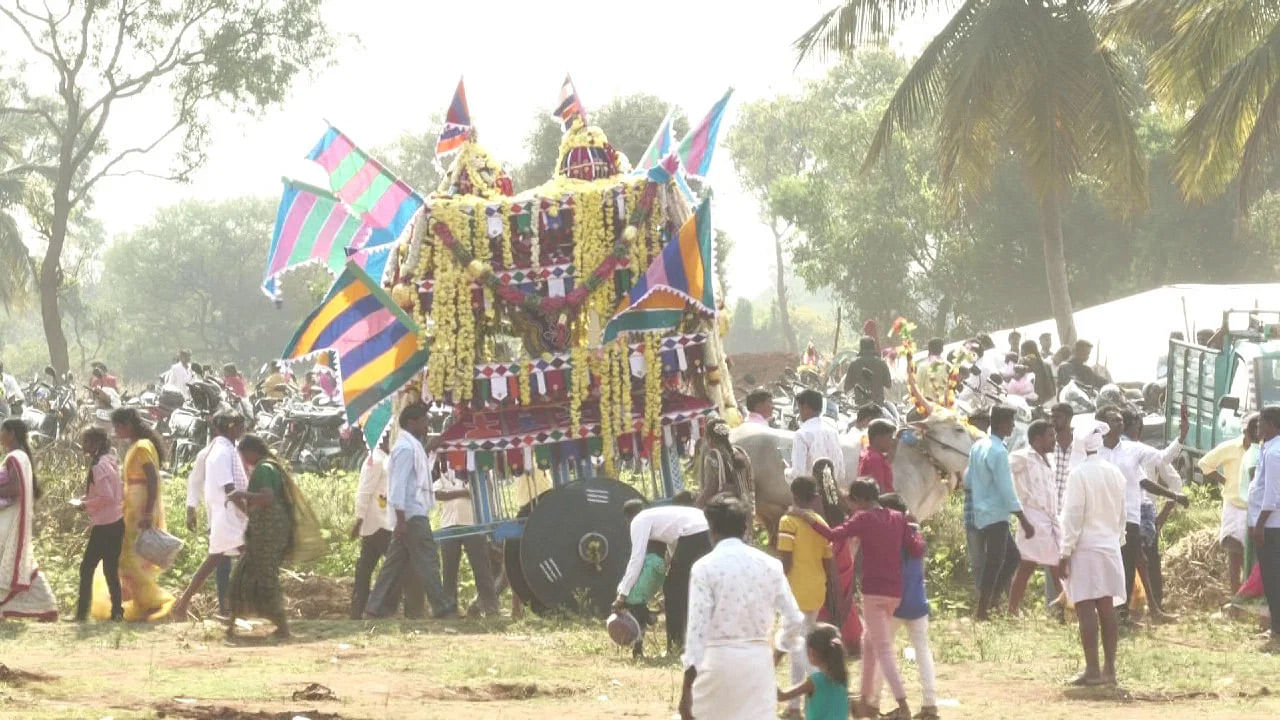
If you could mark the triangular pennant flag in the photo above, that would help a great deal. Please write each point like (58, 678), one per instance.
(697, 146)
(679, 278)
(660, 146)
(375, 342)
(570, 106)
(457, 123)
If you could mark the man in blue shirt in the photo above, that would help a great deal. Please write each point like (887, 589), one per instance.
(990, 483)
(1264, 515)
(412, 565)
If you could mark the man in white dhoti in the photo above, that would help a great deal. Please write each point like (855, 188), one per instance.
(736, 592)
(1093, 529)
(223, 473)
(1037, 491)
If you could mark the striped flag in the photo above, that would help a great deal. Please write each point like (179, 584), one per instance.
(457, 123)
(679, 278)
(313, 226)
(378, 197)
(696, 148)
(570, 106)
(376, 342)
(659, 146)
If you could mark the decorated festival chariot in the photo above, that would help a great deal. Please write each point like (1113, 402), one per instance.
(570, 328)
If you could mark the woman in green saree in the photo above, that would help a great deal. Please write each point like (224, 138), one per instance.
(255, 581)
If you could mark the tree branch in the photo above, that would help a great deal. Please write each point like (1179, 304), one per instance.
(105, 171)
(45, 114)
(27, 33)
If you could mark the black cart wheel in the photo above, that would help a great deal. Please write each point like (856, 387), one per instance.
(575, 546)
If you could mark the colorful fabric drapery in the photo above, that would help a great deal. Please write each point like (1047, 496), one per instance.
(375, 341)
(312, 225)
(680, 277)
(378, 197)
(696, 148)
(457, 123)
(570, 106)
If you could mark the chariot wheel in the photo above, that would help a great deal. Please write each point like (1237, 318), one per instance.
(575, 547)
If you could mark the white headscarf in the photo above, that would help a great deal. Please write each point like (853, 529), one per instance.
(1091, 439)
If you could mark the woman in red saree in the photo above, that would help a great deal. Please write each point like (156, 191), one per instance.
(833, 511)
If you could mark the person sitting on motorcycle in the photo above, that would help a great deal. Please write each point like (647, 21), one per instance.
(179, 374)
(1022, 384)
(12, 395)
(233, 382)
(869, 360)
(1078, 369)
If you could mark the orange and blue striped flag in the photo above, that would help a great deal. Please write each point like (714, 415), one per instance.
(376, 343)
(570, 106)
(457, 123)
(679, 279)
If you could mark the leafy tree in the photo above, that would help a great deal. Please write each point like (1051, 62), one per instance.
(1223, 60)
(1029, 79)
(105, 53)
(629, 122)
(412, 158)
(201, 258)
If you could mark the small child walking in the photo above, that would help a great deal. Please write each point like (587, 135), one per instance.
(913, 611)
(826, 690)
(104, 504)
(652, 573)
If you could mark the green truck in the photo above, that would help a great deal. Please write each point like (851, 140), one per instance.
(1222, 383)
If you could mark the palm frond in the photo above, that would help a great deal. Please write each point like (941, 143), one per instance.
(921, 90)
(857, 22)
(1209, 151)
(1206, 40)
(15, 264)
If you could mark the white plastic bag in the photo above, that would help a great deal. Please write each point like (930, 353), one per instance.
(158, 547)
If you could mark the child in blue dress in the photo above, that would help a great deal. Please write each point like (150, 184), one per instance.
(827, 688)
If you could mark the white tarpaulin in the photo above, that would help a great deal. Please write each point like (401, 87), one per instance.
(1131, 334)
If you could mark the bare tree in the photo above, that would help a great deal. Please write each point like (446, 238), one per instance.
(103, 54)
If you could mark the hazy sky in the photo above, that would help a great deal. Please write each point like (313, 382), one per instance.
(401, 59)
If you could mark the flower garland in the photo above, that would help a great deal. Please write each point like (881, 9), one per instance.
(579, 386)
(652, 385)
(523, 378)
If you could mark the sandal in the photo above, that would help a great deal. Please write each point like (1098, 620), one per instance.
(896, 714)
(927, 713)
(1083, 680)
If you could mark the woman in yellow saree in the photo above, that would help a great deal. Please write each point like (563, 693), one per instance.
(144, 599)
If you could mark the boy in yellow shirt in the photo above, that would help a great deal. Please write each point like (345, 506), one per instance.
(808, 561)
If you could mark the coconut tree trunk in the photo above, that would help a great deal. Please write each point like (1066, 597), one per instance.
(1055, 267)
(50, 281)
(784, 315)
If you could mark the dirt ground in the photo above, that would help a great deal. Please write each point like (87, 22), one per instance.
(1204, 668)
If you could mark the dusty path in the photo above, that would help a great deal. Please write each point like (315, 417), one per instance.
(539, 670)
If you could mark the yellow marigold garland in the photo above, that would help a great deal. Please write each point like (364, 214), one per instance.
(652, 385)
(579, 385)
(525, 381)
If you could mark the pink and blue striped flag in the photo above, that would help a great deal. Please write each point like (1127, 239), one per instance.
(697, 146)
(679, 279)
(659, 146)
(457, 124)
(378, 197)
(570, 106)
(313, 226)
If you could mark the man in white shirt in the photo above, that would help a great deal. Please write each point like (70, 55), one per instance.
(220, 472)
(1127, 456)
(1093, 521)
(1264, 515)
(1037, 492)
(412, 565)
(683, 526)
(736, 594)
(373, 524)
(179, 375)
(759, 405)
(816, 438)
(1157, 466)
(12, 390)
(454, 495)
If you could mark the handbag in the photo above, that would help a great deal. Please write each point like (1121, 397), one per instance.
(308, 541)
(157, 547)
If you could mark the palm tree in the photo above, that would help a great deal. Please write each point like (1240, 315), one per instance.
(1027, 79)
(1222, 59)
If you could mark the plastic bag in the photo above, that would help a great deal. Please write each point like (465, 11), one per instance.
(308, 540)
(158, 547)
